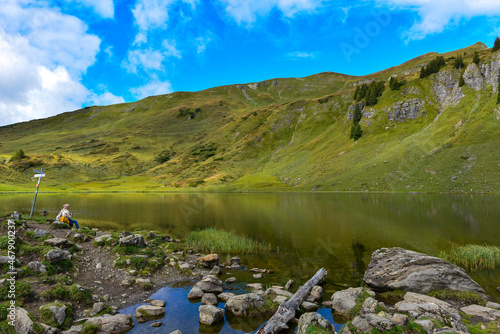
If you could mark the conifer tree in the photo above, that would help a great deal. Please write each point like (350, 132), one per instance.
(459, 62)
(356, 117)
(461, 81)
(476, 58)
(496, 45)
(356, 92)
(356, 131)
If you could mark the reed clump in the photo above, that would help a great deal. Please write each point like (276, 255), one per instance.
(220, 241)
(473, 257)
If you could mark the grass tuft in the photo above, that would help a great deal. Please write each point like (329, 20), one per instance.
(473, 257)
(213, 240)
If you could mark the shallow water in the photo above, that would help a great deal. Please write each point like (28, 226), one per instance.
(307, 231)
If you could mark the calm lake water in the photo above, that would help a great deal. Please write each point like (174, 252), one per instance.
(308, 231)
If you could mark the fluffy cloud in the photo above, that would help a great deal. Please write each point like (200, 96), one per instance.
(40, 64)
(104, 8)
(300, 55)
(246, 12)
(153, 87)
(150, 60)
(435, 16)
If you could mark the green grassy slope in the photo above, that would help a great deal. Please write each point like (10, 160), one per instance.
(280, 134)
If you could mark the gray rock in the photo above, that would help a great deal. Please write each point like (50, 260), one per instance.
(399, 319)
(16, 215)
(185, 266)
(490, 72)
(225, 296)
(78, 237)
(345, 300)
(258, 276)
(235, 260)
(4, 259)
(209, 299)
(119, 323)
(211, 284)
(195, 293)
(52, 330)
(37, 266)
(133, 240)
(57, 254)
(216, 270)
(59, 313)
(398, 268)
(309, 307)
(312, 318)
(23, 324)
(210, 314)
(96, 308)
(485, 313)
(176, 332)
(143, 281)
(411, 109)
(369, 306)
(280, 299)
(446, 87)
(361, 324)
(379, 322)
(422, 306)
(273, 292)
(41, 233)
(427, 325)
(256, 286)
(230, 280)
(242, 305)
(157, 302)
(316, 294)
(209, 261)
(148, 311)
(157, 324)
(493, 305)
(473, 77)
(57, 242)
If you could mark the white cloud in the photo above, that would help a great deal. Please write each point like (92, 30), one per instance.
(104, 8)
(300, 55)
(153, 87)
(246, 12)
(153, 14)
(105, 99)
(435, 16)
(170, 50)
(201, 43)
(143, 59)
(40, 64)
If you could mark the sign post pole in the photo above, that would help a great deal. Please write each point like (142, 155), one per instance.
(39, 174)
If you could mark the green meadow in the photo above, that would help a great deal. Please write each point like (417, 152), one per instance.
(287, 134)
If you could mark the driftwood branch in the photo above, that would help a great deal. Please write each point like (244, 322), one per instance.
(286, 311)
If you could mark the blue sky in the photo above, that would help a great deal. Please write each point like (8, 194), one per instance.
(61, 55)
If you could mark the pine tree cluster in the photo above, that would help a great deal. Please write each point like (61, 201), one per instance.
(395, 84)
(459, 62)
(433, 67)
(496, 45)
(476, 58)
(356, 131)
(371, 92)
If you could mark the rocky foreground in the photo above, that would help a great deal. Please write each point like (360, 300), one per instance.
(70, 282)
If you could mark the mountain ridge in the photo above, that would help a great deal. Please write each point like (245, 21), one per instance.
(278, 134)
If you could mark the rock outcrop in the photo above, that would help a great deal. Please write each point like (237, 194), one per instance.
(398, 268)
(210, 314)
(119, 323)
(409, 109)
(314, 319)
(243, 305)
(446, 88)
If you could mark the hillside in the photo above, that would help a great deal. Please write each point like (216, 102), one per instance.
(431, 135)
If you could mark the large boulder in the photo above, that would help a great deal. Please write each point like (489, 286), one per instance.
(112, 324)
(39, 233)
(149, 311)
(485, 313)
(37, 266)
(344, 301)
(23, 324)
(422, 307)
(313, 319)
(243, 305)
(398, 268)
(210, 314)
(211, 284)
(57, 254)
(133, 240)
(58, 242)
(209, 261)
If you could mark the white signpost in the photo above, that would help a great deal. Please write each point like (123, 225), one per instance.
(39, 174)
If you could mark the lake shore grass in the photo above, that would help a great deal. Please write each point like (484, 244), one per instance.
(220, 241)
(473, 257)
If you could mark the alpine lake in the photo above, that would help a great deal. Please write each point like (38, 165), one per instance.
(307, 231)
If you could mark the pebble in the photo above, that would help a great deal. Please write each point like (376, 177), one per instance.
(257, 275)
(156, 324)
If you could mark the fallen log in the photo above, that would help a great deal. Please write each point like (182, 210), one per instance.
(286, 311)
